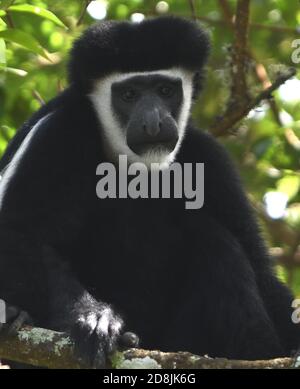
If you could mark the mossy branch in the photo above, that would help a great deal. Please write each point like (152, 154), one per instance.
(46, 348)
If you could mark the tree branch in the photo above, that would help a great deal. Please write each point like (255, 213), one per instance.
(267, 93)
(226, 10)
(185, 360)
(239, 88)
(38, 97)
(238, 112)
(9, 20)
(41, 347)
(83, 11)
(193, 9)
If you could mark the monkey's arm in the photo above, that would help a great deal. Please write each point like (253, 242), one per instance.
(43, 202)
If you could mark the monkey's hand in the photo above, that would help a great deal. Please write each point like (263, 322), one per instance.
(94, 326)
(97, 332)
(15, 318)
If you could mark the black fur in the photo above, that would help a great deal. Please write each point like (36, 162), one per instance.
(197, 280)
(159, 43)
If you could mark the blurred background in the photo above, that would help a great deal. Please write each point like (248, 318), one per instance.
(35, 37)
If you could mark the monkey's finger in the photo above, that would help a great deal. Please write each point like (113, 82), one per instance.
(22, 318)
(129, 340)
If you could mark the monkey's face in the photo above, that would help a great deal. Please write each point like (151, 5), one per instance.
(144, 115)
(148, 108)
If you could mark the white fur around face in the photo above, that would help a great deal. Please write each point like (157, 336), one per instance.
(113, 134)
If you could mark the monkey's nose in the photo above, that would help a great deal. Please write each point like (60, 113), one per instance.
(152, 123)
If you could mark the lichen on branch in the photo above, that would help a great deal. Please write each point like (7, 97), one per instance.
(55, 350)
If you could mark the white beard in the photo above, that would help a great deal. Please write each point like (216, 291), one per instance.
(113, 135)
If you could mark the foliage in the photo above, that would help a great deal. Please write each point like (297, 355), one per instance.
(35, 37)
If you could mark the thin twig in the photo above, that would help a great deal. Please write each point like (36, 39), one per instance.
(9, 19)
(193, 9)
(267, 93)
(226, 10)
(38, 97)
(83, 11)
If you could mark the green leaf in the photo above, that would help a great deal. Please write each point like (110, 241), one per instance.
(44, 13)
(25, 40)
(2, 51)
(289, 185)
(4, 4)
(2, 25)
(2, 13)
(15, 71)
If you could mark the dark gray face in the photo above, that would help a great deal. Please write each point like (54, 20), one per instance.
(147, 108)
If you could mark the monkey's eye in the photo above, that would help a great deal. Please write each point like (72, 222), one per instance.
(166, 90)
(129, 94)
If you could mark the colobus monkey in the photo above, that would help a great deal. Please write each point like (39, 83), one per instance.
(196, 280)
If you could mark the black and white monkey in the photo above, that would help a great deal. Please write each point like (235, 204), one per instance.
(196, 280)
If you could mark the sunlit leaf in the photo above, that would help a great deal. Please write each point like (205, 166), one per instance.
(289, 185)
(293, 215)
(44, 13)
(2, 13)
(17, 72)
(2, 22)
(122, 11)
(25, 40)
(281, 273)
(2, 51)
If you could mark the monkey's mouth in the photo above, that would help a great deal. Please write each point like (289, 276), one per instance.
(158, 147)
